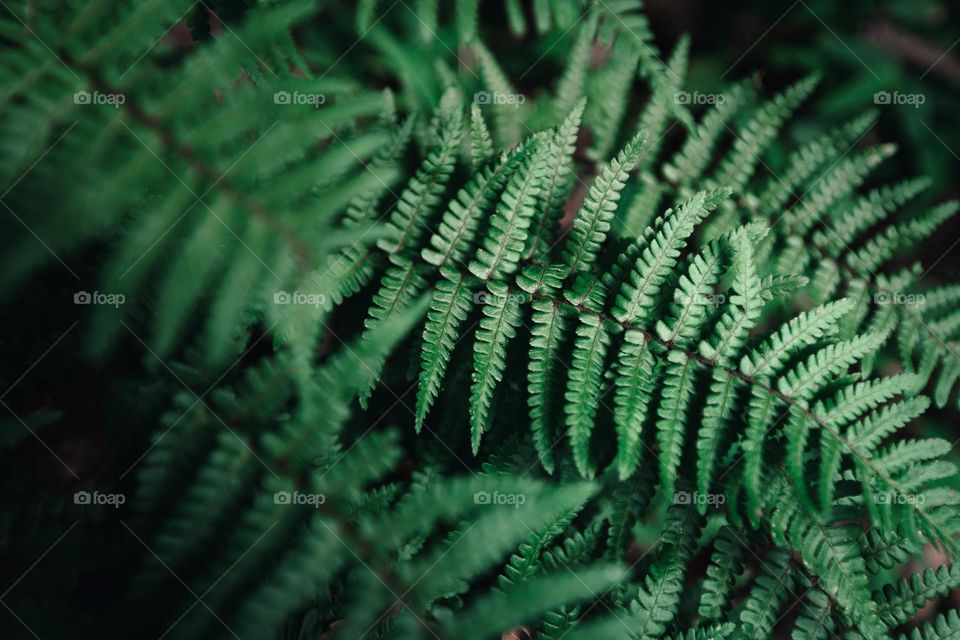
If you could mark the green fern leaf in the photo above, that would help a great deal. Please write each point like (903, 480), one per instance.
(451, 304)
(459, 224)
(759, 132)
(556, 184)
(503, 247)
(481, 145)
(546, 335)
(584, 387)
(592, 222)
(632, 398)
(501, 318)
(659, 255)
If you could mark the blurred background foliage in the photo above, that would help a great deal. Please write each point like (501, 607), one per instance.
(863, 47)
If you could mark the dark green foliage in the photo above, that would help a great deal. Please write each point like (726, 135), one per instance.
(399, 363)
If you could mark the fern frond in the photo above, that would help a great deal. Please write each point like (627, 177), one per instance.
(423, 192)
(459, 224)
(664, 103)
(625, 18)
(528, 561)
(868, 211)
(499, 325)
(806, 161)
(659, 254)
(608, 94)
(481, 145)
(632, 398)
(834, 186)
(584, 387)
(944, 626)
(762, 128)
(546, 336)
(570, 86)
(425, 12)
(772, 589)
(556, 184)
(689, 163)
(737, 337)
(657, 601)
(508, 111)
(535, 596)
(592, 222)
(502, 249)
(804, 330)
(451, 304)
(900, 601)
(831, 552)
(729, 340)
(726, 564)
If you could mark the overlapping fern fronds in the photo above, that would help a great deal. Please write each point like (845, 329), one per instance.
(631, 346)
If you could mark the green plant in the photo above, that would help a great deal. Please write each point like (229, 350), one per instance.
(634, 353)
